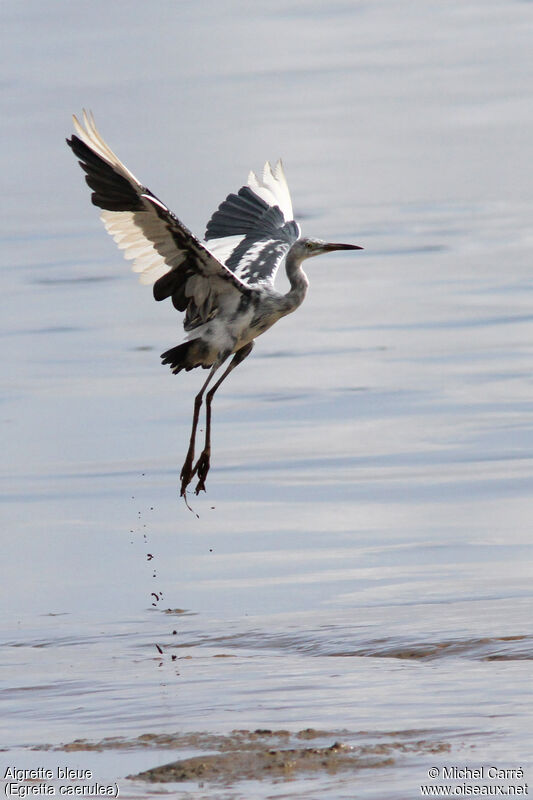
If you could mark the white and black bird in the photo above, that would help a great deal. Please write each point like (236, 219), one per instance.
(225, 285)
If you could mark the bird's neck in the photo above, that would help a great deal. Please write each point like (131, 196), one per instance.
(297, 279)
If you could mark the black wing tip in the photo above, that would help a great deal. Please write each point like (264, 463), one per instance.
(78, 146)
(111, 191)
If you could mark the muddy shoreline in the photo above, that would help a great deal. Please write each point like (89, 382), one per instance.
(267, 754)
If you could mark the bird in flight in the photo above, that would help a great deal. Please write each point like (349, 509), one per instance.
(225, 284)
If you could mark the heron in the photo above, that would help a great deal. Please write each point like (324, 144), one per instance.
(224, 284)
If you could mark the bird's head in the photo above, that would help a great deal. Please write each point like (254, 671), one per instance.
(306, 248)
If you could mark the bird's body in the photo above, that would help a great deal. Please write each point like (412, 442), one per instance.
(225, 285)
(240, 320)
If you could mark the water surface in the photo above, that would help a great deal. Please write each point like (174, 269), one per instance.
(361, 563)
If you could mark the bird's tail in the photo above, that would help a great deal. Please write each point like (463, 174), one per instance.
(186, 355)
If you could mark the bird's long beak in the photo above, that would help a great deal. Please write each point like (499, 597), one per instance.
(330, 246)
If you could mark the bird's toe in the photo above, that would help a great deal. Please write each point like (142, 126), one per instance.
(186, 474)
(201, 469)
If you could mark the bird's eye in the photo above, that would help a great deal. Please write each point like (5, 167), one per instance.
(309, 245)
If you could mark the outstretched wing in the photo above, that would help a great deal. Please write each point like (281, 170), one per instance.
(163, 250)
(253, 230)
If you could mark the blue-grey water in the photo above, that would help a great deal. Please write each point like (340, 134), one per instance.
(362, 558)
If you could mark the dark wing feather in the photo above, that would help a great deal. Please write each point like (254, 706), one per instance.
(163, 250)
(239, 213)
(253, 230)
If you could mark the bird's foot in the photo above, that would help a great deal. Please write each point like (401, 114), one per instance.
(187, 473)
(201, 469)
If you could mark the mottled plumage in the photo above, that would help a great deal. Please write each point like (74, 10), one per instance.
(225, 285)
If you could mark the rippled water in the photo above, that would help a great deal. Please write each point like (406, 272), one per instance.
(361, 562)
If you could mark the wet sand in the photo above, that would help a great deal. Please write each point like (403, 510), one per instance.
(265, 754)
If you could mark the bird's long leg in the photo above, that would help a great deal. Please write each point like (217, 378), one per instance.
(201, 467)
(187, 471)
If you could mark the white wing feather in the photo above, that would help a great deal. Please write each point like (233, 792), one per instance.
(148, 233)
(273, 188)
